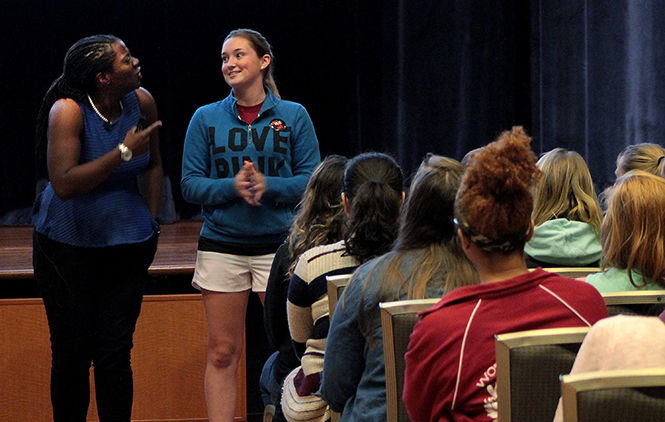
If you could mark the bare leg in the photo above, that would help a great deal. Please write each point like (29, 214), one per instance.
(225, 316)
(262, 296)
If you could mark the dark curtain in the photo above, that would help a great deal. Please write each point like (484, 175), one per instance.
(597, 78)
(404, 77)
(452, 75)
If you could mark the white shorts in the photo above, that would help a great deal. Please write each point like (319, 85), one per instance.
(221, 272)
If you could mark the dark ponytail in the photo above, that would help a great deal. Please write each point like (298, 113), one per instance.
(373, 188)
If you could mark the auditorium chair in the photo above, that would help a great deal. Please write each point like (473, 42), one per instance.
(614, 396)
(639, 302)
(528, 366)
(397, 321)
(336, 285)
(573, 272)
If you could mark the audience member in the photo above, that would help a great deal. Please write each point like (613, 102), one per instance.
(645, 156)
(633, 235)
(372, 196)
(426, 261)
(450, 364)
(566, 214)
(319, 221)
(620, 342)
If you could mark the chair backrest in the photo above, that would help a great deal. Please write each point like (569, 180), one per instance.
(397, 322)
(336, 285)
(528, 366)
(614, 396)
(573, 272)
(640, 302)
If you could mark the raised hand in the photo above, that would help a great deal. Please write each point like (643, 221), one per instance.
(138, 141)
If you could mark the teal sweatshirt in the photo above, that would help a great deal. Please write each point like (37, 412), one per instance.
(281, 143)
(563, 242)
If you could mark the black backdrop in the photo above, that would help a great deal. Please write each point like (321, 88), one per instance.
(404, 77)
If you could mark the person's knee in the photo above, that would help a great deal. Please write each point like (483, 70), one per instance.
(74, 355)
(113, 355)
(223, 354)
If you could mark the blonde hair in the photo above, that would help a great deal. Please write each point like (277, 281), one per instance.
(645, 156)
(633, 231)
(565, 190)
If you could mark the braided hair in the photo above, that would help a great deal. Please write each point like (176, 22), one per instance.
(83, 61)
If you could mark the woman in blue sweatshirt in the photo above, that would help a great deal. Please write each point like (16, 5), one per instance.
(246, 160)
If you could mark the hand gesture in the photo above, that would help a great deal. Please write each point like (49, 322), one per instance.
(250, 184)
(138, 141)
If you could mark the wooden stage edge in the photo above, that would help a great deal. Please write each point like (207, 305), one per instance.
(176, 250)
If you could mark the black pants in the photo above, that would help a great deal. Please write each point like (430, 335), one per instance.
(92, 298)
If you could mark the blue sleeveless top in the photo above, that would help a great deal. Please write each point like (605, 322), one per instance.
(114, 212)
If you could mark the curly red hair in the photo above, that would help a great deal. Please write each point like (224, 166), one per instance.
(495, 200)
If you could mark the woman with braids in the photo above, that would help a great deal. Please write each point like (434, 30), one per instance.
(372, 196)
(450, 364)
(95, 235)
(318, 221)
(566, 214)
(246, 161)
(426, 261)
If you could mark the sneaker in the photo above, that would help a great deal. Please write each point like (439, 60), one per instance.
(268, 413)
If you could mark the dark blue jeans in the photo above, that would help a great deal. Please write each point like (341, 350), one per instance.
(271, 389)
(92, 298)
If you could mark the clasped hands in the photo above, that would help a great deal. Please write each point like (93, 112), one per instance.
(250, 184)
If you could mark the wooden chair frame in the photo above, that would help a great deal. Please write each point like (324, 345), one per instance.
(336, 285)
(388, 311)
(573, 272)
(634, 297)
(617, 302)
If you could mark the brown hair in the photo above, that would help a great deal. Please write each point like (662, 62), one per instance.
(494, 203)
(426, 223)
(565, 190)
(373, 187)
(262, 47)
(633, 231)
(320, 217)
